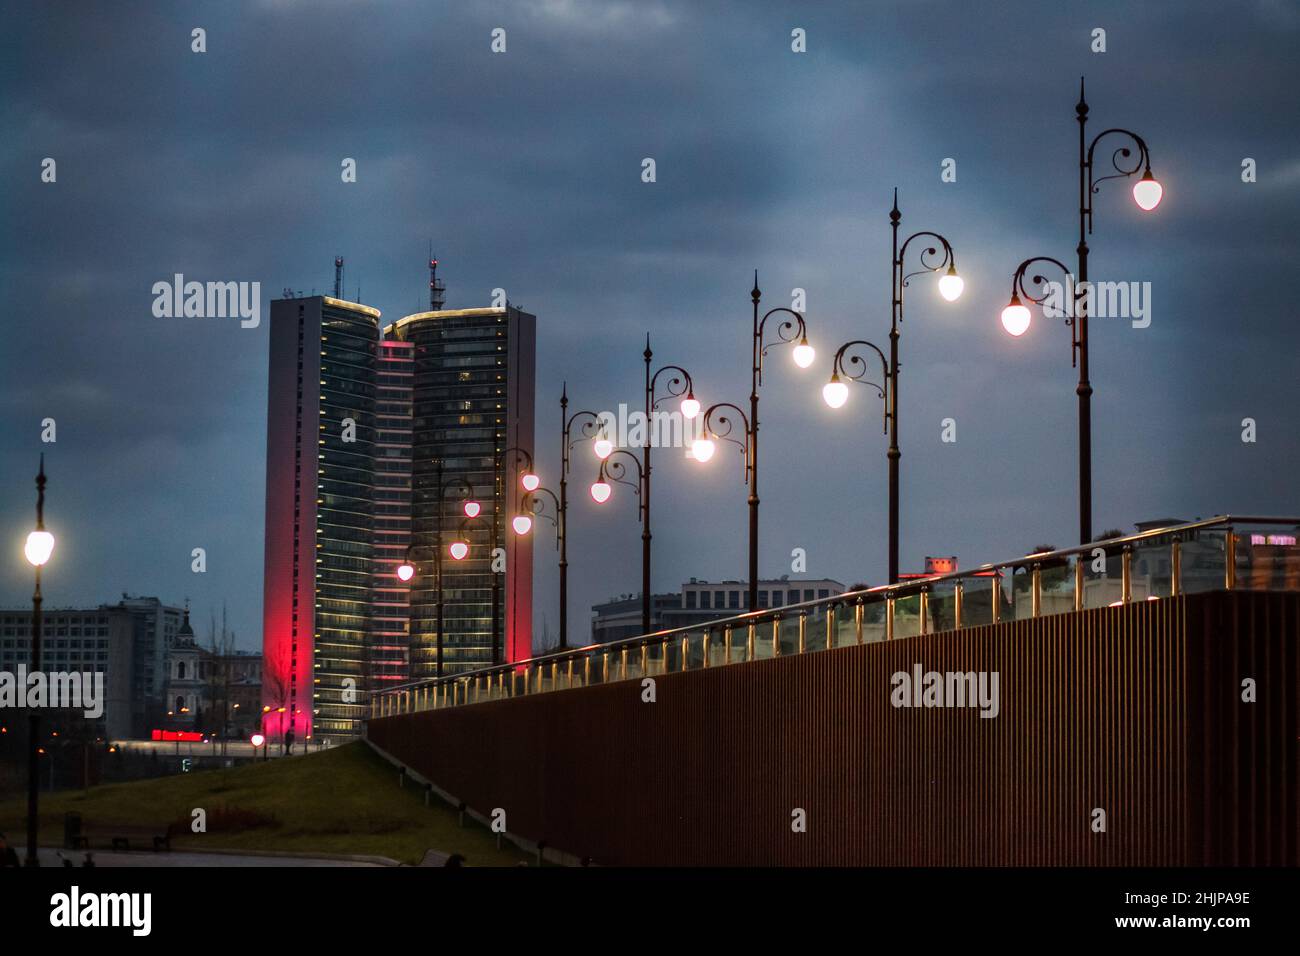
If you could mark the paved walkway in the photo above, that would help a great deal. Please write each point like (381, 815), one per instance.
(50, 857)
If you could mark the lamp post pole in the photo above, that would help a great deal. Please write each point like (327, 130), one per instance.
(613, 469)
(590, 424)
(33, 714)
(679, 384)
(467, 494)
(786, 334)
(1015, 317)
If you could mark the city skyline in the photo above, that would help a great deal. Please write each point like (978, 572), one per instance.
(161, 422)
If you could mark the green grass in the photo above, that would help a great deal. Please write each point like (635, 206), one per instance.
(344, 800)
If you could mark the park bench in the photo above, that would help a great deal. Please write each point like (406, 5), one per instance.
(120, 835)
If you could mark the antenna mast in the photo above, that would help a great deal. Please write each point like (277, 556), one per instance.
(437, 291)
(338, 277)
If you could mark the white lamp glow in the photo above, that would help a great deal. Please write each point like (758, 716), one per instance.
(472, 508)
(600, 491)
(405, 571)
(690, 407)
(39, 547)
(703, 449)
(804, 353)
(1015, 317)
(1147, 192)
(530, 482)
(835, 392)
(603, 448)
(458, 550)
(951, 284)
(522, 524)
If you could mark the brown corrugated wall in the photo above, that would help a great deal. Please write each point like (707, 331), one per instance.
(1134, 710)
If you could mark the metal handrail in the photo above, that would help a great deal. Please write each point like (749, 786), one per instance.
(887, 593)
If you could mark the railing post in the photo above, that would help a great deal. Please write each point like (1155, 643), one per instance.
(586, 670)
(622, 664)
(1230, 560)
(1036, 591)
(527, 670)
(645, 658)
(1078, 582)
(776, 635)
(830, 626)
(924, 616)
(958, 593)
(708, 651)
(889, 618)
(726, 645)
(1176, 568)
(803, 631)
(685, 652)
(569, 678)
(859, 612)
(749, 642)
(604, 667)
(1126, 575)
(996, 595)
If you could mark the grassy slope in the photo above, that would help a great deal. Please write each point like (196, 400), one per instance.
(344, 800)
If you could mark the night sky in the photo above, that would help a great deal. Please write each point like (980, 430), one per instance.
(524, 168)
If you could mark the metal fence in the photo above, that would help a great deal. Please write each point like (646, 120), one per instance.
(1222, 553)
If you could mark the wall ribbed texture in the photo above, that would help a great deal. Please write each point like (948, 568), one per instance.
(1135, 710)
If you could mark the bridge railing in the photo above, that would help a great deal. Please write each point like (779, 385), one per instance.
(1222, 553)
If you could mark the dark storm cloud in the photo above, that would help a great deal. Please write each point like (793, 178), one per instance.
(524, 170)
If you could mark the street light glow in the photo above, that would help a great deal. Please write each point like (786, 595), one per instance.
(39, 547)
(600, 491)
(804, 353)
(530, 482)
(951, 284)
(522, 524)
(835, 392)
(458, 550)
(1147, 192)
(703, 449)
(690, 407)
(1015, 317)
(405, 571)
(603, 448)
(472, 508)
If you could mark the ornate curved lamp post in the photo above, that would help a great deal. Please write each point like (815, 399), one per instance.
(528, 480)
(37, 550)
(935, 257)
(1147, 193)
(471, 509)
(589, 426)
(613, 469)
(790, 330)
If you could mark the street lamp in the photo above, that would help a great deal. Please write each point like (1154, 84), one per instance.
(522, 465)
(613, 469)
(935, 257)
(589, 429)
(678, 385)
(1147, 193)
(789, 331)
(471, 509)
(39, 547)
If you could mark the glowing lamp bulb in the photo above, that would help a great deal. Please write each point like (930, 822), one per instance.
(835, 392)
(603, 448)
(405, 571)
(530, 482)
(690, 407)
(472, 508)
(1015, 317)
(600, 491)
(1147, 192)
(257, 740)
(804, 353)
(522, 524)
(39, 547)
(458, 550)
(703, 449)
(951, 284)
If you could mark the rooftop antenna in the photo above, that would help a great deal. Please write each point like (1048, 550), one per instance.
(338, 277)
(437, 291)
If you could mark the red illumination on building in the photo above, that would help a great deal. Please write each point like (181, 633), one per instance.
(183, 736)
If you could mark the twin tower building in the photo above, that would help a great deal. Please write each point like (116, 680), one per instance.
(374, 435)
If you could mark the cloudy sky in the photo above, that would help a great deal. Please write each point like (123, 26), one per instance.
(524, 168)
